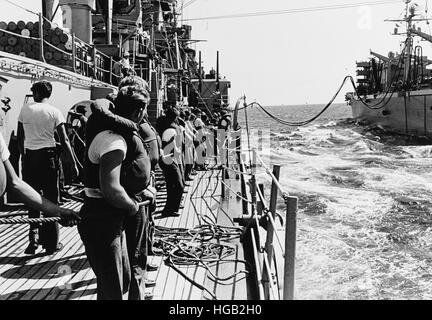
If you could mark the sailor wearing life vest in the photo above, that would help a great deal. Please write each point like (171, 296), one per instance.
(117, 170)
(171, 160)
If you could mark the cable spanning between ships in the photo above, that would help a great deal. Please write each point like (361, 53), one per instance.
(380, 104)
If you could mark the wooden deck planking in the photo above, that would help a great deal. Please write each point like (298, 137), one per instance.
(80, 269)
(34, 272)
(190, 223)
(174, 279)
(12, 245)
(198, 210)
(10, 230)
(220, 269)
(185, 213)
(162, 271)
(21, 279)
(200, 272)
(39, 275)
(89, 291)
(14, 252)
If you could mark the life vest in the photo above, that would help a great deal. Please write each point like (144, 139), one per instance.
(135, 170)
(166, 144)
(151, 142)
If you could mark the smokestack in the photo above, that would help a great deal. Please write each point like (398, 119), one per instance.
(79, 21)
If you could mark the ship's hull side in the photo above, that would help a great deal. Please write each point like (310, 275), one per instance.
(408, 113)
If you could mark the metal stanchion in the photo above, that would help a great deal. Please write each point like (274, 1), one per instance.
(290, 247)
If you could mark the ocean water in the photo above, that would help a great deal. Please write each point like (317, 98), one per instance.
(365, 205)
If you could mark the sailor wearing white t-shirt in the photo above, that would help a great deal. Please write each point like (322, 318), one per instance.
(37, 125)
(116, 172)
(12, 183)
(170, 162)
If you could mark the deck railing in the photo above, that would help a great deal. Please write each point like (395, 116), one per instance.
(260, 218)
(75, 55)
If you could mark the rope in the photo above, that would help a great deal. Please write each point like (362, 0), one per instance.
(237, 171)
(380, 104)
(202, 245)
(238, 195)
(291, 11)
(29, 220)
(57, 49)
(18, 35)
(185, 247)
(248, 137)
(18, 6)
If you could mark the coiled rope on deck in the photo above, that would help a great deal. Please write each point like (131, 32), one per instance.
(205, 245)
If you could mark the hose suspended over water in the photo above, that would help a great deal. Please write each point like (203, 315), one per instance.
(380, 104)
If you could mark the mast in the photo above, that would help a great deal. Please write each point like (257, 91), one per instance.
(217, 71)
(108, 22)
(200, 74)
(408, 44)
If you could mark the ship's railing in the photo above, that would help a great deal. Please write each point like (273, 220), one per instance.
(268, 210)
(76, 55)
(263, 228)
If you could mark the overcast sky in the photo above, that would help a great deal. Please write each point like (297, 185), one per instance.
(283, 59)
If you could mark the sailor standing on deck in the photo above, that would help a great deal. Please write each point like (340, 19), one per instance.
(152, 144)
(117, 167)
(171, 161)
(11, 182)
(37, 125)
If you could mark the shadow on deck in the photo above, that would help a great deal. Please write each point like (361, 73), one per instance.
(66, 275)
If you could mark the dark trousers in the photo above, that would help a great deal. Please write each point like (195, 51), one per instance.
(106, 249)
(137, 229)
(174, 180)
(188, 170)
(189, 161)
(41, 171)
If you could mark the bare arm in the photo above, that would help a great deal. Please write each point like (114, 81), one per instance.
(20, 137)
(109, 178)
(64, 140)
(33, 199)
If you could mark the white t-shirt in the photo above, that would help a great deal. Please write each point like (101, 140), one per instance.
(104, 142)
(198, 123)
(4, 151)
(40, 121)
(168, 134)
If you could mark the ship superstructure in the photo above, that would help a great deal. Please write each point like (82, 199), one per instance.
(227, 228)
(394, 91)
(83, 56)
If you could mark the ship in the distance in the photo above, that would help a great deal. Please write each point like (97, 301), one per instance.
(395, 91)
